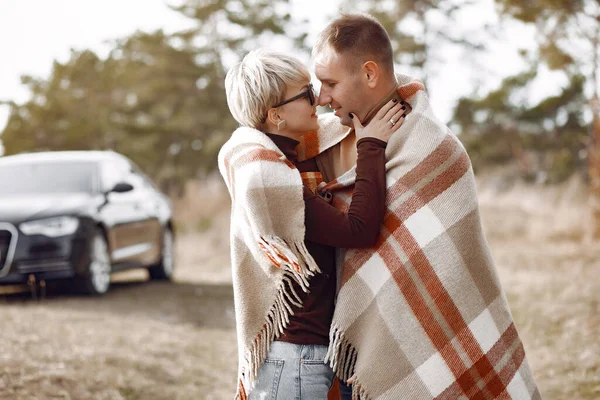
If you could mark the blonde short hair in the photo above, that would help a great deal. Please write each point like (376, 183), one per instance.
(258, 82)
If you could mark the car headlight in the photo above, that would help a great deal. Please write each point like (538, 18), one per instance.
(52, 227)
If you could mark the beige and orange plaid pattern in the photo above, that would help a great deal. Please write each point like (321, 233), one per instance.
(422, 315)
(311, 179)
(268, 253)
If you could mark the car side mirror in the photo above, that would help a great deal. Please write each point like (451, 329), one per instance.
(122, 187)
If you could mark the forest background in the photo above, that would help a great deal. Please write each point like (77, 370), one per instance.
(518, 82)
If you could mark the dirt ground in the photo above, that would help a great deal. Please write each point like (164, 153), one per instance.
(147, 340)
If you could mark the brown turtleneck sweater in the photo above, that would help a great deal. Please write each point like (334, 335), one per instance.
(328, 228)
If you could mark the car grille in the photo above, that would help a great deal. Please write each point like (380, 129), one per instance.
(47, 265)
(5, 238)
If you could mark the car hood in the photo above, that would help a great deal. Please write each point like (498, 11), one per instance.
(18, 208)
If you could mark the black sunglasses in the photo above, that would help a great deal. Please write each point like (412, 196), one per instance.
(310, 93)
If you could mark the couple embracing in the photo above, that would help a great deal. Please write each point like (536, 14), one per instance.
(358, 256)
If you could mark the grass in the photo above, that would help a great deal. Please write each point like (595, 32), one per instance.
(548, 265)
(155, 341)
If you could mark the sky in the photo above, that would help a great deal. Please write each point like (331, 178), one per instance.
(34, 33)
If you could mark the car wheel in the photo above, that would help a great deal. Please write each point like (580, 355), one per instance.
(97, 278)
(164, 269)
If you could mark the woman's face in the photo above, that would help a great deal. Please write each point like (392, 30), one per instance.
(299, 114)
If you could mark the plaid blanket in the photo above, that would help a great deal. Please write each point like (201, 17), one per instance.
(267, 244)
(422, 315)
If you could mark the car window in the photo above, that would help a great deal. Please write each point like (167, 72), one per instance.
(141, 178)
(48, 177)
(137, 181)
(113, 171)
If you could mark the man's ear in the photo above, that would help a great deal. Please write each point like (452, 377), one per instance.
(371, 73)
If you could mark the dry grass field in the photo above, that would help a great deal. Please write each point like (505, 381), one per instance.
(177, 341)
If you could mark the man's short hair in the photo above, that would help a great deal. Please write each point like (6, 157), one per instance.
(361, 36)
(258, 82)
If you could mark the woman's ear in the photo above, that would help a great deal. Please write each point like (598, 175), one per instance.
(371, 73)
(273, 116)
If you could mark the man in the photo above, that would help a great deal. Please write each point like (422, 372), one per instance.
(422, 314)
(354, 81)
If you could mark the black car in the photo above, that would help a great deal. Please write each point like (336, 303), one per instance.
(81, 215)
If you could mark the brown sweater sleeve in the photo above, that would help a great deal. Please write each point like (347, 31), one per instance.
(360, 226)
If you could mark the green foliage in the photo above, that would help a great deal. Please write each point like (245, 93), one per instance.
(546, 138)
(568, 33)
(160, 99)
(502, 126)
(533, 10)
(157, 98)
(420, 29)
(59, 110)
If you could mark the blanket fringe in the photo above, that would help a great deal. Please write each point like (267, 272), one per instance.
(341, 357)
(298, 266)
(292, 256)
(358, 393)
(241, 392)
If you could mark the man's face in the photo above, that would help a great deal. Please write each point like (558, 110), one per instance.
(341, 88)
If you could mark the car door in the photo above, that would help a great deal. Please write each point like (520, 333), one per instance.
(123, 215)
(148, 232)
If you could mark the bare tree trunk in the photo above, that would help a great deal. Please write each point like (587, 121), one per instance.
(594, 166)
(594, 144)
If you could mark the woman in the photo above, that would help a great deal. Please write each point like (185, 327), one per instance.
(283, 235)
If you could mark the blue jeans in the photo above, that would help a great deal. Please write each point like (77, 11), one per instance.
(293, 372)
